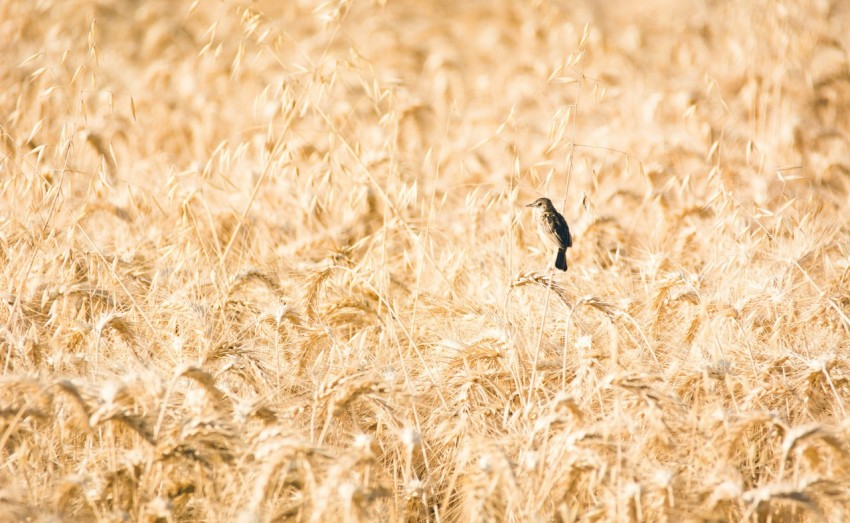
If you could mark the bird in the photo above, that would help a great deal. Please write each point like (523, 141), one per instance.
(553, 229)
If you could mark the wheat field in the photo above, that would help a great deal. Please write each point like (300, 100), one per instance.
(270, 261)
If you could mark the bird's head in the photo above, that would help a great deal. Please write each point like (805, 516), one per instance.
(541, 203)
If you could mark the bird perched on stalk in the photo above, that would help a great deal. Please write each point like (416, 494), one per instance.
(553, 229)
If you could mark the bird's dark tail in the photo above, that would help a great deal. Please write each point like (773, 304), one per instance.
(561, 260)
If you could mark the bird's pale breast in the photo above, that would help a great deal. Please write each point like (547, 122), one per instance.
(546, 228)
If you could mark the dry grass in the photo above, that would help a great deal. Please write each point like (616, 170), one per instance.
(268, 261)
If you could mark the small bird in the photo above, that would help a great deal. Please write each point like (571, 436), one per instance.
(553, 229)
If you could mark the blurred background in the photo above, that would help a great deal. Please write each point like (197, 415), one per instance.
(271, 260)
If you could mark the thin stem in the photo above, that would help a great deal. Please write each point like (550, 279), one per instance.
(539, 340)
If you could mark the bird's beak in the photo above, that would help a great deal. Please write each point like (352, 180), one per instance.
(530, 205)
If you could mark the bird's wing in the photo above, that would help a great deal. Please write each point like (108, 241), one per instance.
(563, 232)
